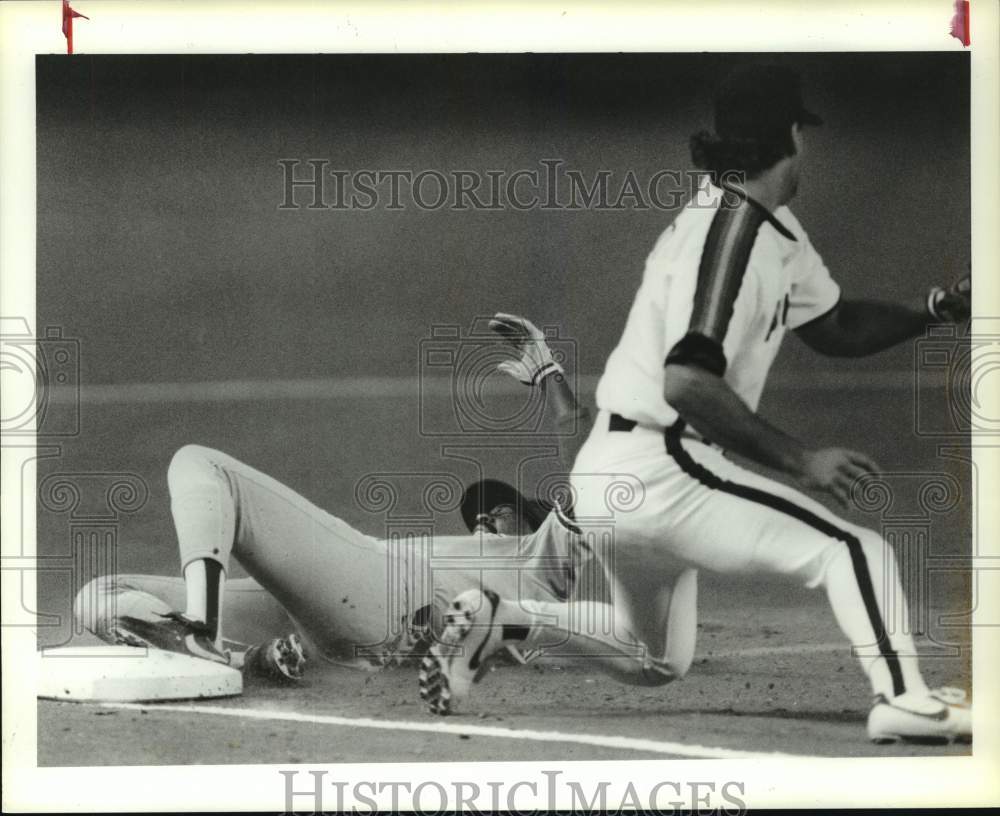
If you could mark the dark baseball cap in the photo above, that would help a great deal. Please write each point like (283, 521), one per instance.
(484, 495)
(760, 102)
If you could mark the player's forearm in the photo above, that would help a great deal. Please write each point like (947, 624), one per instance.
(708, 404)
(870, 326)
(572, 420)
(559, 396)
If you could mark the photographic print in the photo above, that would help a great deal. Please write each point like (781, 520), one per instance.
(537, 407)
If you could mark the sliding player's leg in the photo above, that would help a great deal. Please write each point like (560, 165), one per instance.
(329, 578)
(482, 621)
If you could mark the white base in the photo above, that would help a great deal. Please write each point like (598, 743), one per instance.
(129, 674)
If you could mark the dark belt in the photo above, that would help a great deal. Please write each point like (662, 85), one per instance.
(619, 423)
(616, 422)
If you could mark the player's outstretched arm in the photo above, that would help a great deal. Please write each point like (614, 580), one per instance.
(705, 400)
(536, 367)
(856, 328)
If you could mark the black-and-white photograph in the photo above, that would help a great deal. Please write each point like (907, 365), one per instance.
(478, 407)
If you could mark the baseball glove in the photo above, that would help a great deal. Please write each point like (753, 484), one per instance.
(951, 305)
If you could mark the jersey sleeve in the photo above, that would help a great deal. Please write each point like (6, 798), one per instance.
(746, 310)
(556, 550)
(814, 292)
(722, 305)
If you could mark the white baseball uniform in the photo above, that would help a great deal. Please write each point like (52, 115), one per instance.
(720, 287)
(355, 599)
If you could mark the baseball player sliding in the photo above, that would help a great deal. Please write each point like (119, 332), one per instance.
(721, 286)
(353, 599)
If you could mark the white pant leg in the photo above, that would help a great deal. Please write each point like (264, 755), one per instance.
(600, 624)
(632, 617)
(711, 513)
(597, 634)
(332, 579)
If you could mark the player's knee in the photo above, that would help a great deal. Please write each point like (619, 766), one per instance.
(681, 665)
(674, 665)
(187, 457)
(682, 623)
(190, 466)
(678, 658)
(661, 672)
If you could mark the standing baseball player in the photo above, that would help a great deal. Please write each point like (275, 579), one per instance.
(720, 288)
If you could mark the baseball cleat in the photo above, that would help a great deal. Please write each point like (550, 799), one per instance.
(473, 632)
(940, 716)
(175, 633)
(281, 659)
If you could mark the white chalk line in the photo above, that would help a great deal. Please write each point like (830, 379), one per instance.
(529, 735)
(792, 650)
(595, 740)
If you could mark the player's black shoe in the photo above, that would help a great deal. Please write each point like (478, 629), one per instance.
(281, 659)
(175, 633)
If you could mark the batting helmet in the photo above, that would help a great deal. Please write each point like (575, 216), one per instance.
(482, 496)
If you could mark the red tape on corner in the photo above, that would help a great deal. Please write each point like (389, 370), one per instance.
(67, 24)
(960, 22)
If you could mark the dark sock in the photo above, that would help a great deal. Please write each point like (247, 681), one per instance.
(213, 576)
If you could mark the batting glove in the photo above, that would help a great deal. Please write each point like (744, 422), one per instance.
(535, 360)
(952, 305)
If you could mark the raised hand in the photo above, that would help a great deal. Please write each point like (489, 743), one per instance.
(534, 361)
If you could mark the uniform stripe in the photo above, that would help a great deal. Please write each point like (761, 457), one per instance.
(494, 600)
(724, 260)
(782, 505)
(723, 264)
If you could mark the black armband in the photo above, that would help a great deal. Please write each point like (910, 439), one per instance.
(697, 349)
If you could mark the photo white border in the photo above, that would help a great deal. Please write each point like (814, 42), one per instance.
(139, 26)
